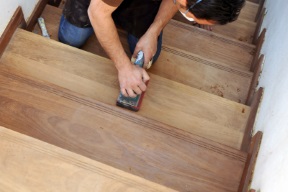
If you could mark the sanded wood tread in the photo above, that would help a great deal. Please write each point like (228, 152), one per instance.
(240, 29)
(166, 101)
(209, 45)
(118, 138)
(28, 164)
(204, 74)
(249, 11)
(192, 70)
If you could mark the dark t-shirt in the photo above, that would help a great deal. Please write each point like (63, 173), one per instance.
(135, 16)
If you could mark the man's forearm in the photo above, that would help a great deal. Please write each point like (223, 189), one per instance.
(166, 11)
(106, 32)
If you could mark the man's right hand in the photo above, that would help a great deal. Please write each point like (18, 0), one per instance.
(132, 80)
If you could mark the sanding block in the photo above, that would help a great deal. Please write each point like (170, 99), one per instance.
(129, 102)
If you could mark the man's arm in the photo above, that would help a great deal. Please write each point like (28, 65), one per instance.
(131, 78)
(148, 42)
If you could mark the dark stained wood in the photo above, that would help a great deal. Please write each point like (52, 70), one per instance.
(259, 45)
(118, 138)
(36, 14)
(255, 80)
(16, 21)
(251, 120)
(250, 163)
(260, 9)
(258, 27)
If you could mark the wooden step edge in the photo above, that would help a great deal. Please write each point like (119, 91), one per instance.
(259, 46)
(128, 116)
(251, 161)
(259, 26)
(260, 9)
(255, 80)
(41, 152)
(16, 21)
(207, 33)
(37, 11)
(255, 106)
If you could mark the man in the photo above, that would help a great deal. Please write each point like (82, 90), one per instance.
(144, 21)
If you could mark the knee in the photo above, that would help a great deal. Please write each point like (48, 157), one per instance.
(73, 35)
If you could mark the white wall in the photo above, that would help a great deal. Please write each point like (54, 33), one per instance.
(8, 8)
(271, 172)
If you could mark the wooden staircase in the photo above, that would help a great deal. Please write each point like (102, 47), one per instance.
(64, 132)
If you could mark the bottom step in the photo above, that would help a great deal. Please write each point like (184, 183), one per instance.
(28, 164)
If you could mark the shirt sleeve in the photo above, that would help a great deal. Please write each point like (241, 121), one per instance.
(113, 3)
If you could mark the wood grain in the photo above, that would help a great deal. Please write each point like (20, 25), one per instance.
(169, 102)
(28, 164)
(118, 138)
(209, 45)
(249, 11)
(260, 42)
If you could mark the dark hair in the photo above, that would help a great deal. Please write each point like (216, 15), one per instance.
(221, 11)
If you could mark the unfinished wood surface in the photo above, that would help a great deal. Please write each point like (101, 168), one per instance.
(206, 75)
(28, 164)
(118, 138)
(208, 45)
(240, 29)
(167, 101)
(249, 11)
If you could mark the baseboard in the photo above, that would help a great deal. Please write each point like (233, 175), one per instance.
(255, 80)
(36, 14)
(255, 105)
(259, 45)
(16, 21)
(250, 163)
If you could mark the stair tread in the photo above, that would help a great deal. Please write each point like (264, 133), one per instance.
(240, 29)
(118, 138)
(32, 163)
(231, 83)
(170, 102)
(209, 45)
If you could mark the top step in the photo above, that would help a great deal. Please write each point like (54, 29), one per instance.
(38, 166)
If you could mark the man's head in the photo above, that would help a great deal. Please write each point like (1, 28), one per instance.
(211, 12)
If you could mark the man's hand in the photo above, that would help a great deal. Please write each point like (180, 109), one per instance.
(132, 80)
(148, 44)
